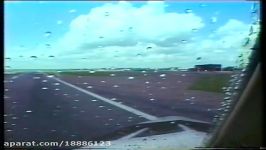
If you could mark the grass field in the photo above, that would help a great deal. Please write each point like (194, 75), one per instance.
(211, 83)
(98, 73)
(87, 73)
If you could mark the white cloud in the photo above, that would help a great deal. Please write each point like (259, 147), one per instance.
(124, 25)
(233, 26)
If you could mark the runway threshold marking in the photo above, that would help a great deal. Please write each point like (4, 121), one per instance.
(127, 108)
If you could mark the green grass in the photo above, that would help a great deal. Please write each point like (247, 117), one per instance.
(211, 83)
(97, 73)
(87, 73)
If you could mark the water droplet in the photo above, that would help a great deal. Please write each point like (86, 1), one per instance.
(130, 78)
(112, 75)
(115, 86)
(149, 47)
(56, 83)
(144, 139)
(6, 97)
(103, 81)
(76, 100)
(152, 99)
(195, 30)
(28, 111)
(162, 75)
(91, 71)
(113, 99)
(94, 100)
(44, 80)
(89, 87)
(184, 41)
(47, 34)
(50, 76)
(36, 77)
(44, 88)
(33, 57)
(14, 118)
(8, 130)
(56, 89)
(100, 106)
(188, 11)
(147, 82)
(85, 83)
(110, 119)
(227, 98)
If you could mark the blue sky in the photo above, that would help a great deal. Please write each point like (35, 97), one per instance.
(127, 29)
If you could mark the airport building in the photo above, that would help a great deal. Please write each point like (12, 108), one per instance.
(208, 67)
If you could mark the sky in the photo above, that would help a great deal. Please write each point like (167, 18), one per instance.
(151, 34)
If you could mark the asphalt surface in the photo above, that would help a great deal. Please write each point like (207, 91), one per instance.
(157, 93)
(38, 108)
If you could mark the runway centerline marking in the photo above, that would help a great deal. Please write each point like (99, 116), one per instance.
(127, 108)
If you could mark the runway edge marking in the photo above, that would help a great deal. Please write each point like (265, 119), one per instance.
(127, 108)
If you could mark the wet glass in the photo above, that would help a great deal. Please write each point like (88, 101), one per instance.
(129, 72)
